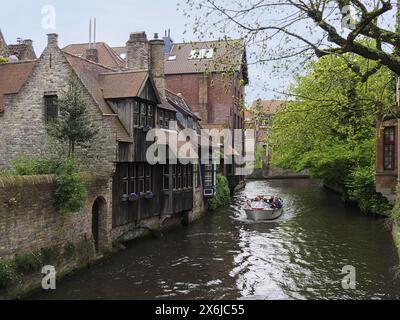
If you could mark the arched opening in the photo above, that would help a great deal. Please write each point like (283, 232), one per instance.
(98, 210)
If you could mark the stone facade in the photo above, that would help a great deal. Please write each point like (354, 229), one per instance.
(23, 123)
(29, 222)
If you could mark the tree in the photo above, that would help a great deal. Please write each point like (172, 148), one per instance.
(329, 126)
(73, 124)
(296, 30)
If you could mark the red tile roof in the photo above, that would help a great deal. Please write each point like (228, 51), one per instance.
(90, 75)
(227, 54)
(107, 56)
(123, 84)
(12, 78)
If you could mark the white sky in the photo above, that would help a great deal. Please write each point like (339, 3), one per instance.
(116, 19)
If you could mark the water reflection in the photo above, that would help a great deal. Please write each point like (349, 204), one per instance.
(224, 256)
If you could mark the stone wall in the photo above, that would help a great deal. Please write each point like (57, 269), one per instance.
(30, 222)
(23, 124)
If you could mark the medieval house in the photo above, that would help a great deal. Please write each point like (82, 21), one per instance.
(211, 76)
(124, 103)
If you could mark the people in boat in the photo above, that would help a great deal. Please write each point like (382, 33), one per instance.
(277, 203)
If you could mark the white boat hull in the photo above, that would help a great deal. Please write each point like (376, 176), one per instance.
(263, 214)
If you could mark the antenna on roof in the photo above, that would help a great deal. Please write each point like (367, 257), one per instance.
(94, 35)
(90, 33)
(92, 45)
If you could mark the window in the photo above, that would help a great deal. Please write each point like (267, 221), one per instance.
(389, 148)
(208, 175)
(125, 179)
(51, 107)
(132, 179)
(161, 119)
(123, 151)
(136, 111)
(165, 117)
(166, 177)
(201, 54)
(179, 174)
(148, 177)
(143, 114)
(174, 177)
(150, 116)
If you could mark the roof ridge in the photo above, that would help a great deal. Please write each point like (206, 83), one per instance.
(80, 44)
(112, 52)
(208, 41)
(19, 62)
(125, 72)
(84, 59)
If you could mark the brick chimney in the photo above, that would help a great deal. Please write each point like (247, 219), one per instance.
(92, 54)
(52, 40)
(157, 63)
(137, 52)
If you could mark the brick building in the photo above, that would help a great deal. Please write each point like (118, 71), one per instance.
(387, 157)
(212, 76)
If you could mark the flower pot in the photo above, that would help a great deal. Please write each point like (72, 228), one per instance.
(149, 195)
(133, 197)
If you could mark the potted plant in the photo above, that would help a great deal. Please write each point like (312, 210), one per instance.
(133, 197)
(149, 195)
(146, 128)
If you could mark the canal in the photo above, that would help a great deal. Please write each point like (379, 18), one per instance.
(223, 256)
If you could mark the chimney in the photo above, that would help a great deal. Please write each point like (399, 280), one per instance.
(169, 43)
(92, 55)
(157, 64)
(137, 52)
(28, 42)
(52, 40)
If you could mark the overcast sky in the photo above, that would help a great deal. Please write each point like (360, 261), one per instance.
(115, 20)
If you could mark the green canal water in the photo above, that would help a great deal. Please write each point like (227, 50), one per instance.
(224, 256)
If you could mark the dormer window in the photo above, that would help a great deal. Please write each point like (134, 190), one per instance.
(201, 54)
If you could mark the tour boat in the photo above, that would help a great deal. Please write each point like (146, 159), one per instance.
(259, 214)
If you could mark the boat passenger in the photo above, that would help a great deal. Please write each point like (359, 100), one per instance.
(276, 203)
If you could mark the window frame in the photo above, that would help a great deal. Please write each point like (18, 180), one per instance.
(391, 143)
(46, 99)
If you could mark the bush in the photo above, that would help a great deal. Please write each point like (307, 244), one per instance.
(7, 273)
(71, 191)
(29, 262)
(223, 194)
(3, 60)
(49, 255)
(360, 188)
(29, 166)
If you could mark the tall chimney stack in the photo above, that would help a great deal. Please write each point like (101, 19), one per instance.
(157, 64)
(52, 40)
(137, 52)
